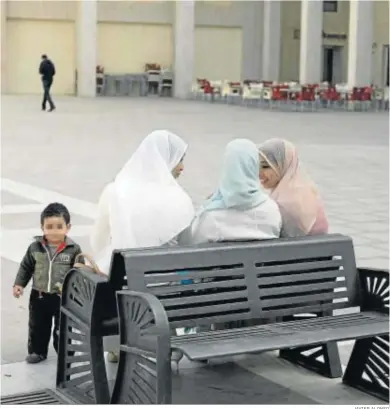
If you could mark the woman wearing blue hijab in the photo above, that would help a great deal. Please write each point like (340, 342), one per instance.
(239, 209)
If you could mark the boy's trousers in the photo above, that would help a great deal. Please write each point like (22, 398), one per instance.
(43, 308)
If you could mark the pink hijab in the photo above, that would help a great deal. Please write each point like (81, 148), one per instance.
(301, 207)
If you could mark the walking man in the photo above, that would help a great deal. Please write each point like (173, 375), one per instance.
(47, 71)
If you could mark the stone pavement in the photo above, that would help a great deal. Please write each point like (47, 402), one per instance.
(70, 154)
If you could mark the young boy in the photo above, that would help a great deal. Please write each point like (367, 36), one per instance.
(46, 261)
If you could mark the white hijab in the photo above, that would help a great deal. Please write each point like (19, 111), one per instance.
(148, 208)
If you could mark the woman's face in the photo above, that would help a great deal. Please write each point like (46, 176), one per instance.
(268, 176)
(176, 171)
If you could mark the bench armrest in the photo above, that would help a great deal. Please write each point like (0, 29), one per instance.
(80, 289)
(374, 286)
(141, 318)
(145, 347)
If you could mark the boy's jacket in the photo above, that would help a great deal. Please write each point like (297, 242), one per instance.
(47, 273)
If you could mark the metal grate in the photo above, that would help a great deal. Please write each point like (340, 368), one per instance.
(42, 397)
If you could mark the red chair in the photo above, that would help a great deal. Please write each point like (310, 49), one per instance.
(306, 97)
(205, 85)
(207, 88)
(361, 97)
(278, 93)
(367, 94)
(356, 94)
(307, 94)
(332, 95)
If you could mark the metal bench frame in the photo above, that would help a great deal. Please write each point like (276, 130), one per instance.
(149, 312)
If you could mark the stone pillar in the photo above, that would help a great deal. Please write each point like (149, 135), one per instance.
(271, 40)
(184, 49)
(360, 43)
(86, 47)
(310, 62)
(251, 40)
(3, 46)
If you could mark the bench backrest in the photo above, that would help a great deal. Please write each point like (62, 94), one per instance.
(239, 281)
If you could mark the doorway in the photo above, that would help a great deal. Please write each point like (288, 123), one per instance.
(332, 71)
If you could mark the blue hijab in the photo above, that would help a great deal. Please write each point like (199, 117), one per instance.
(239, 187)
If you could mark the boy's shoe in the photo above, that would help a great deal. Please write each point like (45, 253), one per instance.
(34, 358)
(112, 357)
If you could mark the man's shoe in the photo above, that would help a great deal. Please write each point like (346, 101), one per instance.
(35, 358)
(52, 109)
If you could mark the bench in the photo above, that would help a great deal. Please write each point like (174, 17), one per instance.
(271, 280)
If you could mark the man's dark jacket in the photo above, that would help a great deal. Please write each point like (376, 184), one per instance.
(47, 70)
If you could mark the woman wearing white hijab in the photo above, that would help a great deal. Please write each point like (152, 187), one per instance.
(144, 206)
(239, 209)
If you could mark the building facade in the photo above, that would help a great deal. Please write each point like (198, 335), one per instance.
(307, 41)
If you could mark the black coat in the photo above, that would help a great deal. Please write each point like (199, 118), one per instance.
(47, 69)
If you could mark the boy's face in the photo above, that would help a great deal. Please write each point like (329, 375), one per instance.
(55, 229)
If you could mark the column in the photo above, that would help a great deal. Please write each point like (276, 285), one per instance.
(251, 40)
(360, 43)
(86, 48)
(310, 62)
(184, 49)
(3, 46)
(271, 40)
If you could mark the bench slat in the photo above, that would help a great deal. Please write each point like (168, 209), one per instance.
(209, 310)
(301, 299)
(178, 299)
(302, 288)
(288, 311)
(298, 266)
(297, 277)
(381, 353)
(212, 272)
(201, 286)
(176, 322)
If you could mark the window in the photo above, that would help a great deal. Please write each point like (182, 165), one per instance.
(330, 6)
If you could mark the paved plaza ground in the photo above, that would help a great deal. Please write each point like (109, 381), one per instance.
(70, 154)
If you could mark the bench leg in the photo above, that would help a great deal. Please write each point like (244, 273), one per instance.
(368, 367)
(323, 359)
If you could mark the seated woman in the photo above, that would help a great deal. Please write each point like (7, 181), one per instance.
(292, 189)
(144, 206)
(239, 209)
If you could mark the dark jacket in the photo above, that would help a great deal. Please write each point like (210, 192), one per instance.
(47, 273)
(47, 69)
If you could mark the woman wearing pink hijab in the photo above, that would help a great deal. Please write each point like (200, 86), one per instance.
(292, 189)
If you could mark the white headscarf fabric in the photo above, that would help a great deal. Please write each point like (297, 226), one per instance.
(148, 208)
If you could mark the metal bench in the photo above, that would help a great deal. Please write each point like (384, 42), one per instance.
(231, 282)
(251, 281)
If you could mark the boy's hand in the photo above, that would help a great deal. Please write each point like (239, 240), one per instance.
(17, 291)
